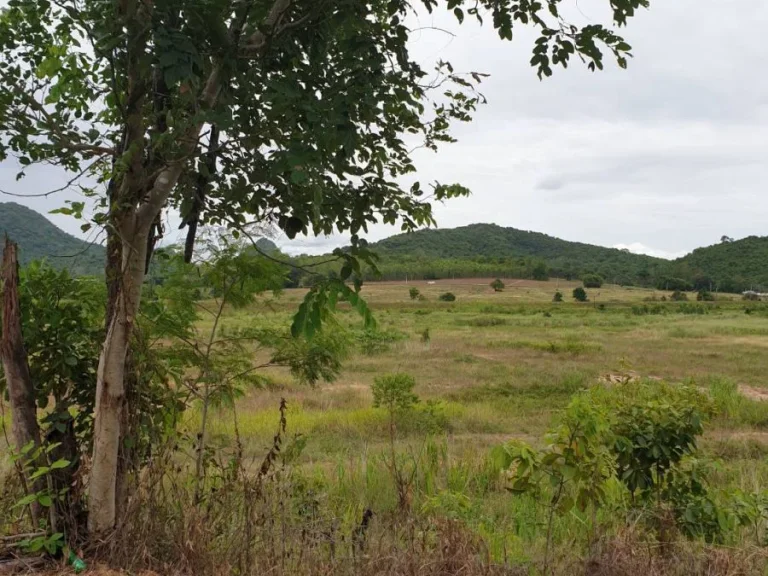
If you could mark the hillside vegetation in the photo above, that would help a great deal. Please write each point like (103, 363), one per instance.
(39, 239)
(488, 250)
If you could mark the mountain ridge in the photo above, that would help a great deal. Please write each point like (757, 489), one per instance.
(40, 239)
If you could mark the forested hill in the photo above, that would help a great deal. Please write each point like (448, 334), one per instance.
(733, 265)
(38, 238)
(492, 249)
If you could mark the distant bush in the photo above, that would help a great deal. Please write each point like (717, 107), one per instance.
(579, 294)
(497, 285)
(373, 342)
(448, 297)
(558, 297)
(414, 293)
(705, 296)
(751, 296)
(678, 296)
(592, 281)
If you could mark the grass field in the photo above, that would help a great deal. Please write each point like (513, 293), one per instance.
(489, 367)
(499, 366)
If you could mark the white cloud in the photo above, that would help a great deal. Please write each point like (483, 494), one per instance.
(638, 248)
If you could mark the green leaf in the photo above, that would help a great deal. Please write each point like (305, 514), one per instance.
(45, 500)
(62, 463)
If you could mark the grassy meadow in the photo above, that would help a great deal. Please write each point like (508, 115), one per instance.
(494, 366)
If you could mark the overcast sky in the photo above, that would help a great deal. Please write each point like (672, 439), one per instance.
(661, 158)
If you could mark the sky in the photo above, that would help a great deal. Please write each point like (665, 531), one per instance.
(661, 158)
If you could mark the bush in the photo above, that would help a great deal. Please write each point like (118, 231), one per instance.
(705, 296)
(751, 296)
(678, 296)
(579, 294)
(414, 293)
(497, 285)
(558, 297)
(373, 342)
(448, 297)
(592, 281)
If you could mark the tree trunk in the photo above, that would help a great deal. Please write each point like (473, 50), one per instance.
(21, 392)
(110, 383)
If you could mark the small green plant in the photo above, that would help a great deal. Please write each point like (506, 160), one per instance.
(572, 471)
(558, 297)
(41, 499)
(448, 297)
(497, 285)
(394, 393)
(414, 293)
(579, 294)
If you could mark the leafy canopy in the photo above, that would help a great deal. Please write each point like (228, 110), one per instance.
(295, 112)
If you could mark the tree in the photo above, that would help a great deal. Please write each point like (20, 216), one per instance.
(414, 293)
(540, 271)
(592, 281)
(579, 294)
(291, 112)
(558, 297)
(497, 285)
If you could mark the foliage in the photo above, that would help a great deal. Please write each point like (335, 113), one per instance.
(414, 293)
(655, 428)
(674, 284)
(678, 296)
(376, 341)
(592, 281)
(394, 392)
(447, 297)
(572, 470)
(579, 294)
(497, 285)
(558, 297)
(705, 296)
(36, 464)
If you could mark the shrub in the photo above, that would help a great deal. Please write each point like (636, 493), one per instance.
(592, 281)
(394, 392)
(497, 285)
(374, 342)
(705, 296)
(414, 293)
(579, 294)
(678, 296)
(448, 297)
(558, 297)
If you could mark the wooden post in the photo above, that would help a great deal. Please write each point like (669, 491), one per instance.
(14, 358)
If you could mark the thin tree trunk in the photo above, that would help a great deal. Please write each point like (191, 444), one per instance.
(110, 383)
(21, 391)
